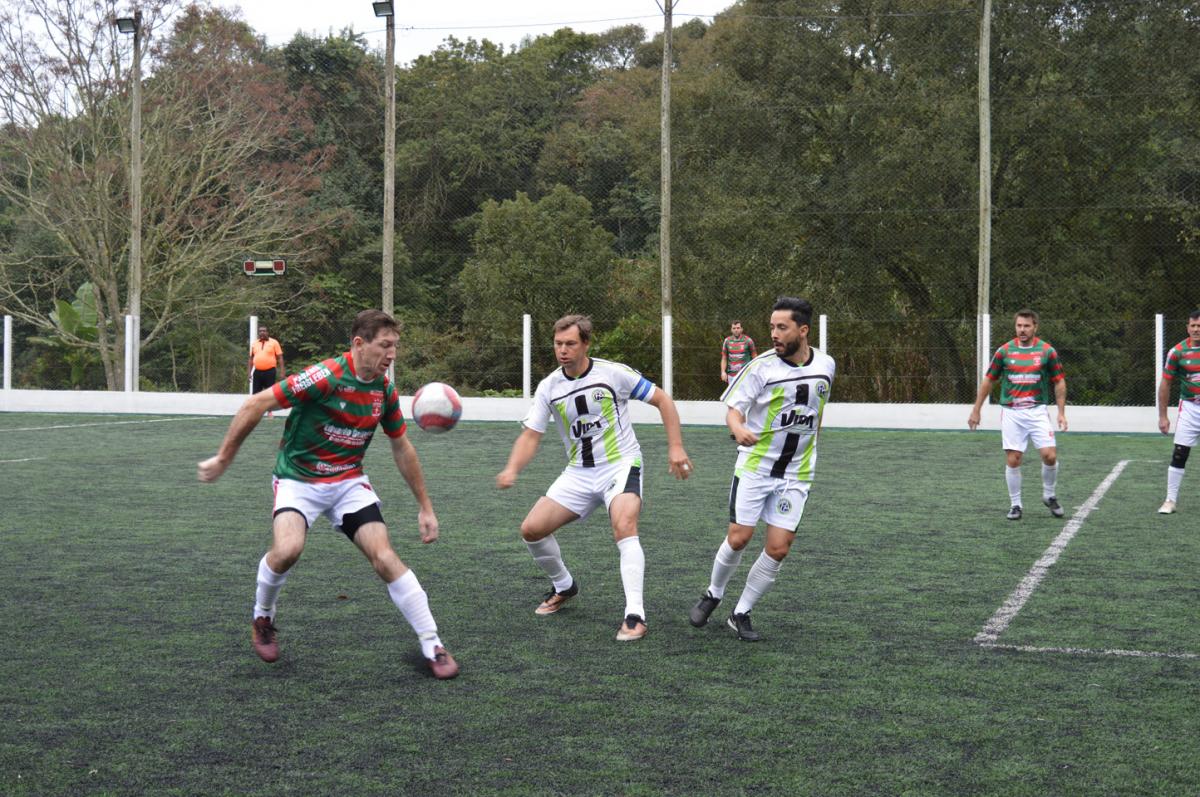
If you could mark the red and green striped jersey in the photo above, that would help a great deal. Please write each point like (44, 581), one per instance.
(1026, 373)
(738, 352)
(333, 417)
(1183, 363)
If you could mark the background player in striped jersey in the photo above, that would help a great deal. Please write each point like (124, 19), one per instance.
(775, 407)
(1183, 363)
(736, 350)
(1028, 369)
(336, 406)
(587, 399)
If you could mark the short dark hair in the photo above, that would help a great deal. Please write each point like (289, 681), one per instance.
(582, 321)
(1027, 313)
(737, 321)
(368, 323)
(801, 310)
(1195, 314)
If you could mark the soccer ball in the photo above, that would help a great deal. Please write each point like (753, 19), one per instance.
(436, 407)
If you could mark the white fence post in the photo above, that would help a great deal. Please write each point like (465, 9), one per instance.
(822, 339)
(129, 333)
(1158, 355)
(985, 350)
(526, 354)
(8, 352)
(253, 337)
(666, 354)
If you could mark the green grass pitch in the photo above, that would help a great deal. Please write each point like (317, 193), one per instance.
(127, 668)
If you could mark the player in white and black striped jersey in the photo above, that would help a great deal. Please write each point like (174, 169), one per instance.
(774, 412)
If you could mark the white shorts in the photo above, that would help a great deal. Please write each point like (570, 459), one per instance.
(1019, 426)
(779, 502)
(334, 500)
(583, 489)
(1187, 428)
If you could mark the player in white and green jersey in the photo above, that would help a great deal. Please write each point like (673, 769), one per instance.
(775, 408)
(587, 400)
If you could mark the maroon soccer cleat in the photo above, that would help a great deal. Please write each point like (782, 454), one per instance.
(263, 637)
(442, 665)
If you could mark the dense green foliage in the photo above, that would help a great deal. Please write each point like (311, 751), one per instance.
(826, 149)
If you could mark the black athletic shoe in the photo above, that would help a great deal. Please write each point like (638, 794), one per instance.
(698, 616)
(741, 624)
(1014, 513)
(633, 628)
(552, 601)
(1055, 508)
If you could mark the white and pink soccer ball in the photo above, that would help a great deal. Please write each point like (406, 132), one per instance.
(436, 407)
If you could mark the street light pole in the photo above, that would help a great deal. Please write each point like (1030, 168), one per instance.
(134, 25)
(387, 9)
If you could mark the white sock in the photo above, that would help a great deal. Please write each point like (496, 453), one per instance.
(1049, 480)
(760, 578)
(724, 564)
(548, 557)
(413, 603)
(633, 569)
(1013, 477)
(269, 584)
(1174, 479)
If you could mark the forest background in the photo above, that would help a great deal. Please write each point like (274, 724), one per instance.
(823, 149)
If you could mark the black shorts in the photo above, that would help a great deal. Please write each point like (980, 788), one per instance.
(262, 380)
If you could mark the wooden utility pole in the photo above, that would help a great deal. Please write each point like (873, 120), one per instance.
(984, 299)
(664, 224)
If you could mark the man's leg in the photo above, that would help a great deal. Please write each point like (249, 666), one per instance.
(1175, 471)
(1012, 477)
(1050, 480)
(537, 530)
(624, 511)
(288, 533)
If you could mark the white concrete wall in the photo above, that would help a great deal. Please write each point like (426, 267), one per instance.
(850, 416)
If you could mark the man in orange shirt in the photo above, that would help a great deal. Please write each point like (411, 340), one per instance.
(266, 355)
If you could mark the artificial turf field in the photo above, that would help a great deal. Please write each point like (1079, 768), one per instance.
(127, 667)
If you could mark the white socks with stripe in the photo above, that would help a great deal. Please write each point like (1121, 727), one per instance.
(724, 564)
(413, 603)
(269, 584)
(1174, 479)
(1013, 477)
(1049, 480)
(633, 569)
(548, 557)
(760, 578)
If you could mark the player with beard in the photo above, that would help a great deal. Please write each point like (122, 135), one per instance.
(774, 412)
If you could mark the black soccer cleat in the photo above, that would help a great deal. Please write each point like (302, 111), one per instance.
(741, 624)
(1014, 513)
(698, 616)
(1055, 508)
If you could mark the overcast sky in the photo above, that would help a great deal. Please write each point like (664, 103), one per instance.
(421, 27)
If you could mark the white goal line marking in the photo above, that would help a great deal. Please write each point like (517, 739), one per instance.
(1139, 654)
(1000, 621)
(26, 459)
(106, 423)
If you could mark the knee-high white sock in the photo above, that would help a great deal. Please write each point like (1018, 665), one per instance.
(548, 557)
(269, 584)
(1174, 479)
(760, 578)
(1049, 480)
(633, 569)
(1013, 477)
(724, 564)
(413, 603)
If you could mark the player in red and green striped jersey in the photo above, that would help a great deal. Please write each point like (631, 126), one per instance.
(736, 350)
(336, 405)
(1029, 371)
(1183, 365)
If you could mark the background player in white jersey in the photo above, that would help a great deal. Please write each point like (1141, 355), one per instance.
(587, 399)
(775, 406)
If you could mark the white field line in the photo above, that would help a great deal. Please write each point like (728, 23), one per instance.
(26, 459)
(106, 423)
(999, 621)
(1140, 654)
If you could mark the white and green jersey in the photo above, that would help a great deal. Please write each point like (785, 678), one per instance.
(782, 404)
(591, 412)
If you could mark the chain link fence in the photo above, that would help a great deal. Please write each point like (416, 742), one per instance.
(827, 150)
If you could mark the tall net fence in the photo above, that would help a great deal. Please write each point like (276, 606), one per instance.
(823, 149)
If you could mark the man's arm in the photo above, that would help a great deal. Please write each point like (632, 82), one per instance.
(523, 451)
(678, 463)
(985, 387)
(1060, 398)
(1164, 395)
(240, 427)
(409, 465)
(753, 349)
(724, 363)
(736, 422)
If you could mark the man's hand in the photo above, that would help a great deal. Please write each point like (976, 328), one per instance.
(743, 435)
(1062, 422)
(506, 478)
(427, 522)
(679, 465)
(724, 377)
(1164, 425)
(211, 469)
(973, 420)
